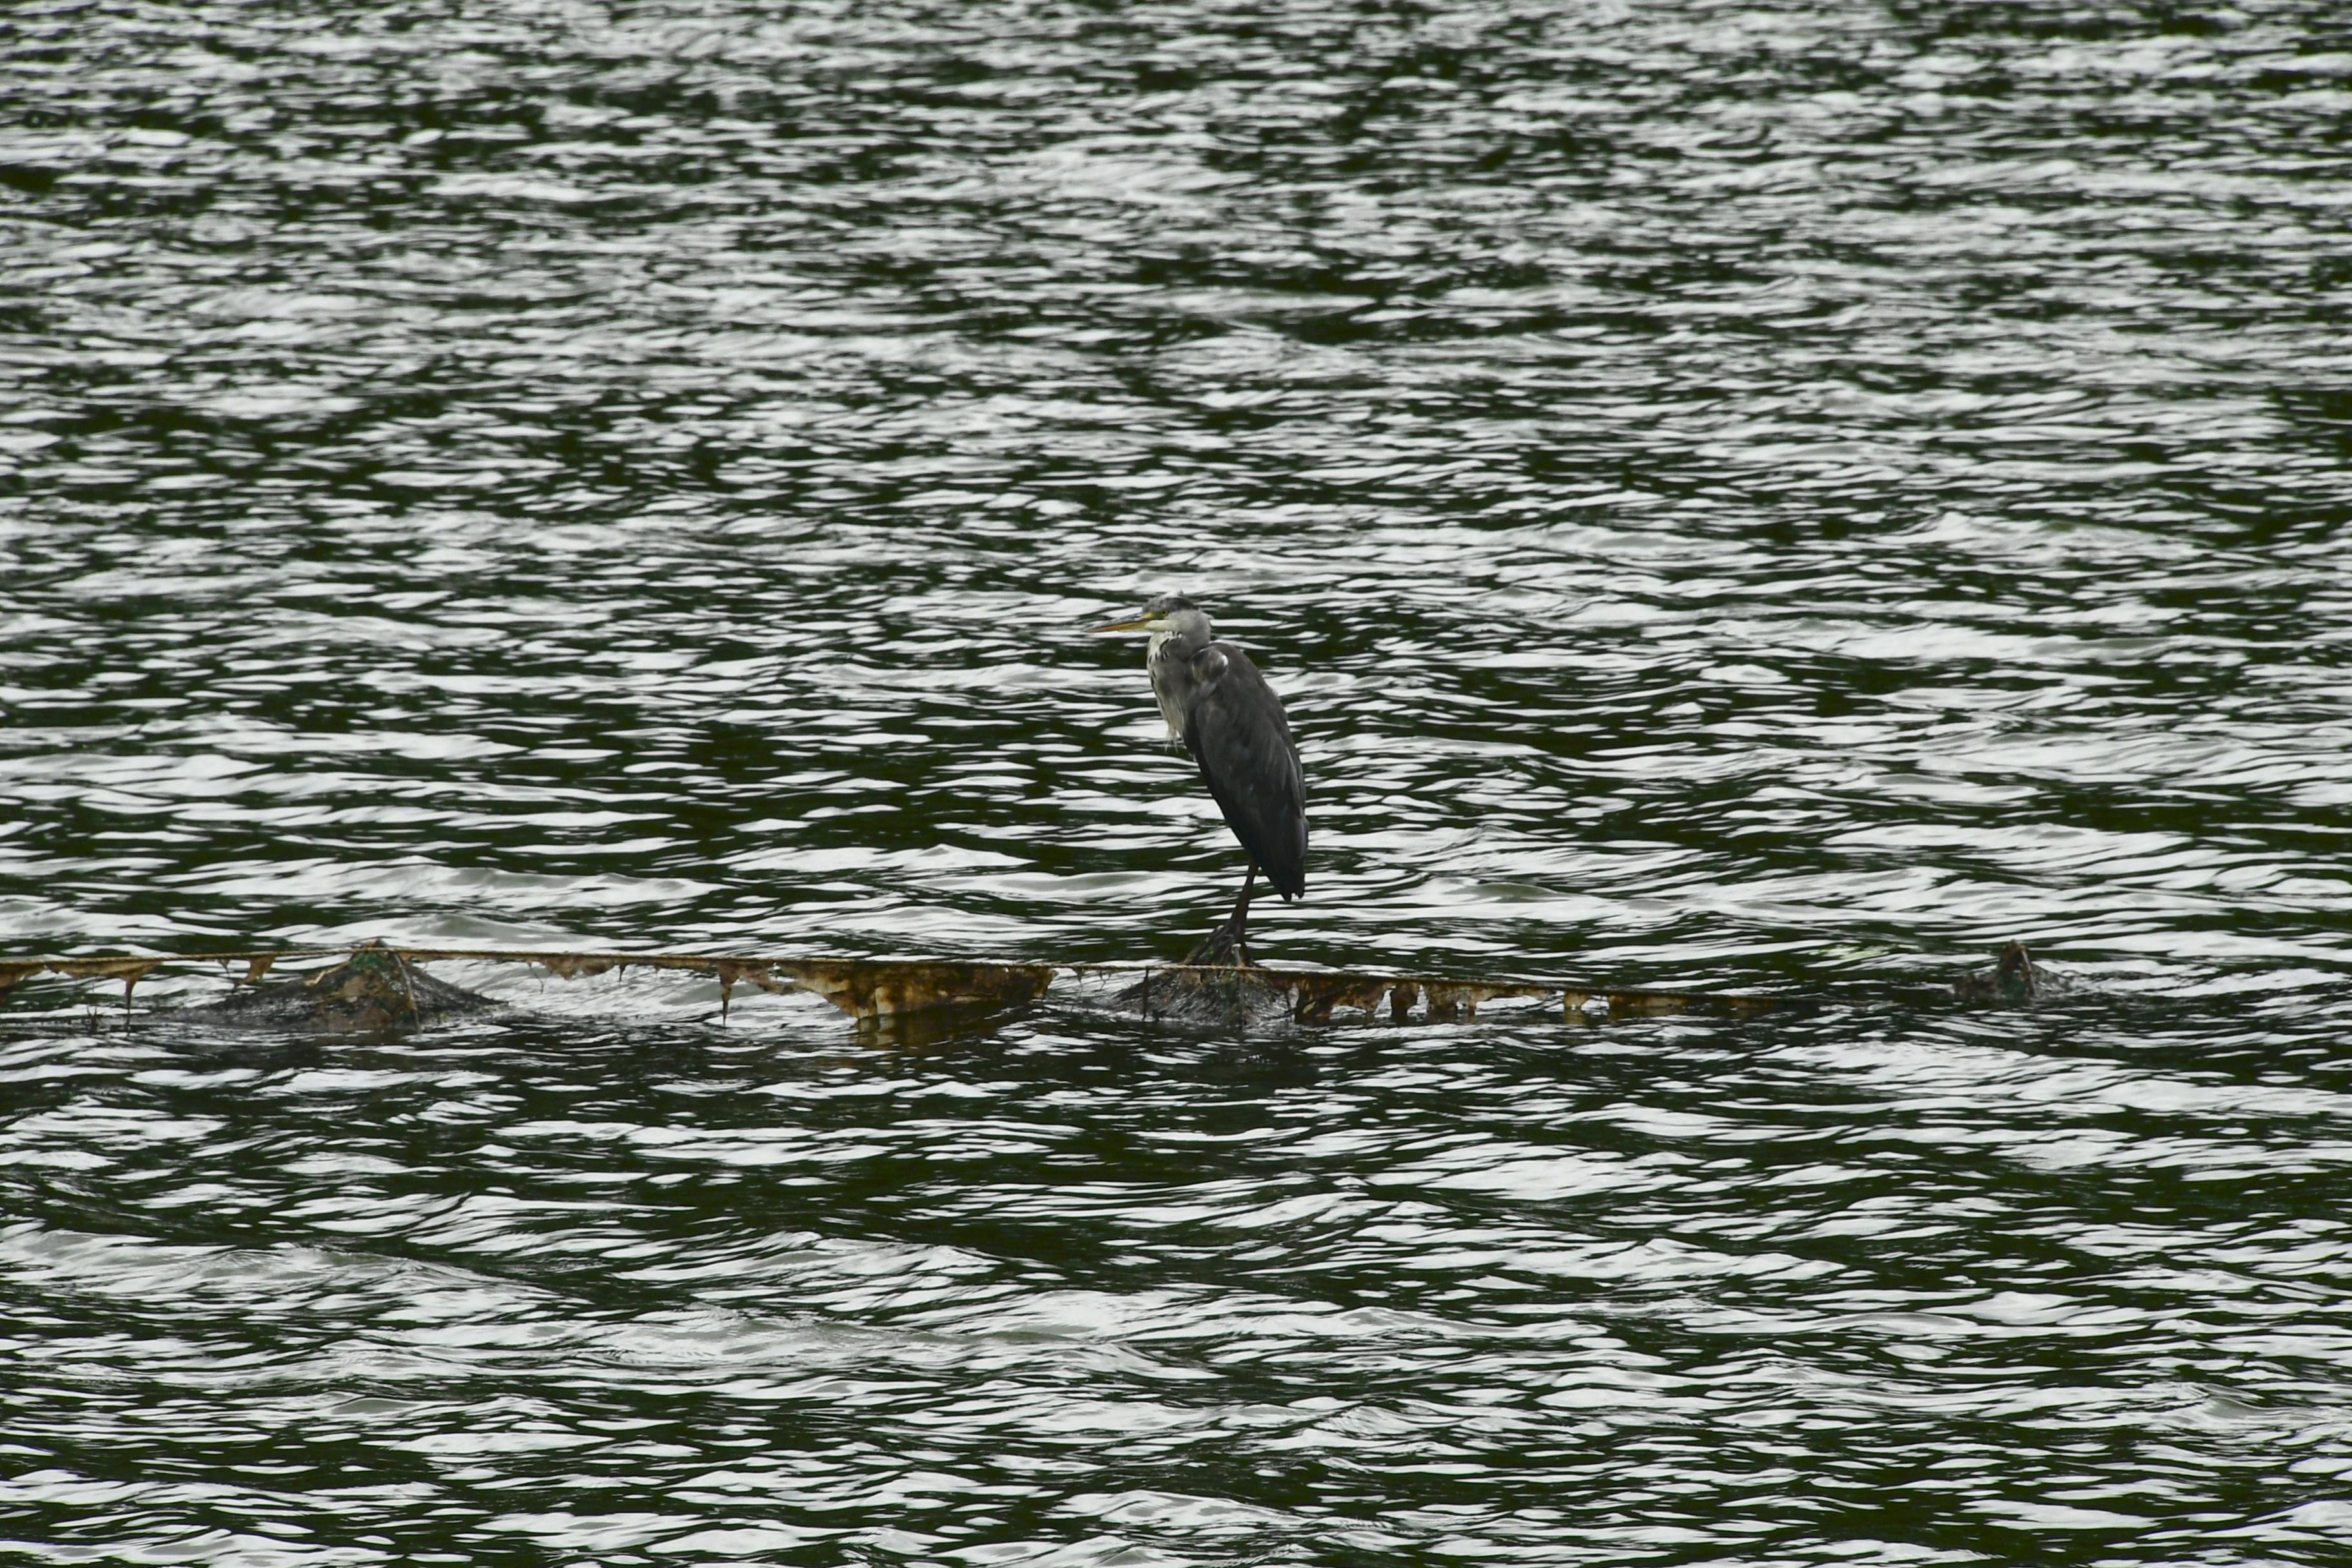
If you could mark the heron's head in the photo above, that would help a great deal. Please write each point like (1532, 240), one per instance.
(1170, 615)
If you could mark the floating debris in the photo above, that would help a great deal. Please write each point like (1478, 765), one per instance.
(130, 971)
(2014, 978)
(380, 987)
(376, 989)
(1255, 993)
(1216, 985)
(878, 989)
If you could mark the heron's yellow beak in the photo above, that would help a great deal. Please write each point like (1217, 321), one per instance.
(1138, 624)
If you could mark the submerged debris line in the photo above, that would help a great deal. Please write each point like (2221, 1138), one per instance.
(377, 985)
(1252, 993)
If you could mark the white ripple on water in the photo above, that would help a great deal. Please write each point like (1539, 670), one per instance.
(1758, 495)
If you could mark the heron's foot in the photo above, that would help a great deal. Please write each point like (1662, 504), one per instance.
(1227, 947)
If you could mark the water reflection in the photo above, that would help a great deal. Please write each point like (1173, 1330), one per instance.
(1725, 497)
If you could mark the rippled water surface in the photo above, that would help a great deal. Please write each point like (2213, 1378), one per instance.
(1785, 498)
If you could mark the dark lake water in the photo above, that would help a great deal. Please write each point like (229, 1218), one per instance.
(1773, 497)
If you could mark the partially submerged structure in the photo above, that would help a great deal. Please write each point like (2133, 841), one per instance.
(376, 988)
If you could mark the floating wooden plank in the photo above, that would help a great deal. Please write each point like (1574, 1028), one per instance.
(871, 991)
(378, 985)
(864, 988)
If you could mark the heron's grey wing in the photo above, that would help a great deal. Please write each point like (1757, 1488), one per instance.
(1235, 728)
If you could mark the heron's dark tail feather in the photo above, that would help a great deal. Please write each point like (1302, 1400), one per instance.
(1293, 886)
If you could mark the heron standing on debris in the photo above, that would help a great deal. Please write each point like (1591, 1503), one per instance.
(1221, 708)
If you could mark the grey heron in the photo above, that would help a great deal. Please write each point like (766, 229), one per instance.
(1221, 708)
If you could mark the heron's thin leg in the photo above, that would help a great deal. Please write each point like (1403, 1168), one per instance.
(1240, 921)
